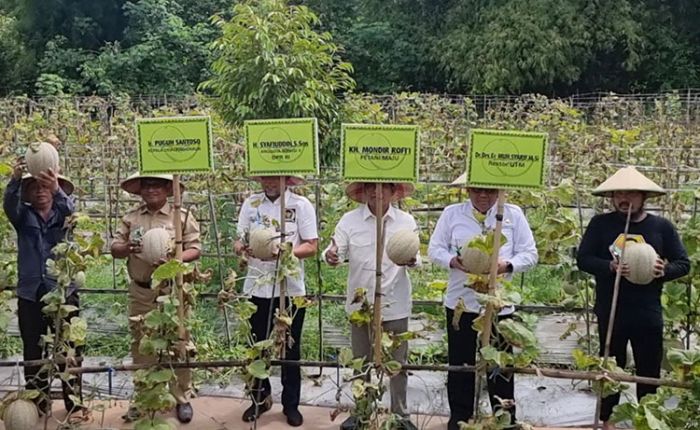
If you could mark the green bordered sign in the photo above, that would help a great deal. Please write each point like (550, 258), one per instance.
(175, 144)
(278, 147)
(506, 159)
(380, 153)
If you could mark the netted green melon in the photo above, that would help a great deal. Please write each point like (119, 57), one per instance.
(264, 243)
(640, 257)
(474, 260)
(40, 157)
(20, 415)
(402, 247)
(156, 244)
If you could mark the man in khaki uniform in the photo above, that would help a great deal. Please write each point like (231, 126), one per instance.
(154, 212)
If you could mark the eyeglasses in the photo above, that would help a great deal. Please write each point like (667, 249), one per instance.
(489, 191)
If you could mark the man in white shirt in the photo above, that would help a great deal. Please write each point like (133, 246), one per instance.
(355, 241)
(262, 210)
(457, 225)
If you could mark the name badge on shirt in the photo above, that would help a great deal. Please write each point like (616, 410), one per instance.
(290, 215)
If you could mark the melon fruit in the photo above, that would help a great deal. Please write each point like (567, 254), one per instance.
(475, 261)
(403, 246)
(40, 157)
(640, 257)
(264, 243)
(571, 288)
(156, 243)
(20, 415)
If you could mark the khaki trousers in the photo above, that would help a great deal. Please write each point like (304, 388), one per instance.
(141, 301)
(362, 347)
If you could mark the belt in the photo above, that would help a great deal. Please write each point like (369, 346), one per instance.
(143, 284)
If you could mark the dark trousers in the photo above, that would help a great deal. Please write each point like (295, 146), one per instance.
(461, 349)
(647, 349)
(291, 375)
(33, 323)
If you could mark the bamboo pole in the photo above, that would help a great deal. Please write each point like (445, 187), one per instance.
(219, 258)
(493, 272)
(177, 223)
(283, 279)
(377, 318)
(613, 311)
(542, 372)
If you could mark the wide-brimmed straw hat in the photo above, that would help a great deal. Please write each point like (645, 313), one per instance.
(132, 184)
(356, 191)
(628, 179)
(462, 180)
(66, 185)
(292, 181)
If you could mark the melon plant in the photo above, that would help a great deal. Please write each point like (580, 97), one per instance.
(475, 260)
(640, 257)
(264, 243)
(21, 414)
(156, 244)
(40, 157)
(403, 247)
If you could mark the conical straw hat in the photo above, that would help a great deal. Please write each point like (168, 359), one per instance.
(628, 179)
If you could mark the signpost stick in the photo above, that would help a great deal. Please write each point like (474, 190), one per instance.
(283, 279)
(377, 319)
(177, 222)
(493, 272)
(613, 310)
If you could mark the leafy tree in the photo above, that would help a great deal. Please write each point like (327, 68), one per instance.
(271, 63)
(13, 61)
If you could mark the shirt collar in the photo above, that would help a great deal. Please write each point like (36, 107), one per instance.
(166, 209)
(469, 208)
(390, 213)
(277, 201)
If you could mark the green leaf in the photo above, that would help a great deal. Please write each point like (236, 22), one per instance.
(170, 270)
(160, 376)
(345, 357)
(392, 367)
(258, 369)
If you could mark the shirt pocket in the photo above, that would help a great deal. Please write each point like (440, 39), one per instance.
(362, 250)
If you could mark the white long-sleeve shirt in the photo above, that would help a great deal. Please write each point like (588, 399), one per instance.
(355, 237)
(457, 225)
(258, 212)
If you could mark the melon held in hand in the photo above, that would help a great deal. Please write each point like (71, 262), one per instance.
(264, 243)
(640, 257)
(474, 260)
(156, 244)
(40, 157)
(403, 247)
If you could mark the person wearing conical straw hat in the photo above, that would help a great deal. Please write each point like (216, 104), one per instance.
(262, 211)
(459, 224)
(638, 317)
(155, 211)
(37, 208)
(355, 240)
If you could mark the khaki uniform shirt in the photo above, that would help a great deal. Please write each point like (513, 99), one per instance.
(139, 220)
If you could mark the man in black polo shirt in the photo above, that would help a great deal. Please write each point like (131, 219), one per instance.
(638, 318)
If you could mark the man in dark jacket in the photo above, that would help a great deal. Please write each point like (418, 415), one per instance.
(638, 317)
(37, 207)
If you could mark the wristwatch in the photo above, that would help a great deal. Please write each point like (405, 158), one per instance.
(509, 267)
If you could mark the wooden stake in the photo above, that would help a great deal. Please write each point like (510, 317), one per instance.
(177, 222)
(493, 272)
(613, 310)
(283, 279)
(377, 319)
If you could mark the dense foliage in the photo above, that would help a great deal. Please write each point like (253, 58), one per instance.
(507, 46)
